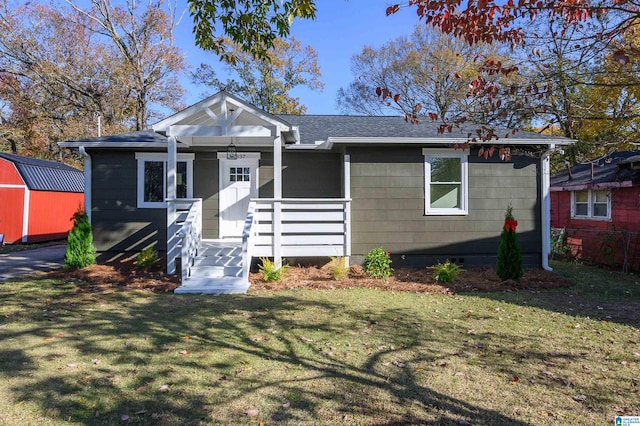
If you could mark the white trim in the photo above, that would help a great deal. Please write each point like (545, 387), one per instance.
(25, 215)
(330, 141)
(589, 215)
(464, 184)
(545, 206)
(142, 157)
(347, 209)
(87, 182)
(8, 185)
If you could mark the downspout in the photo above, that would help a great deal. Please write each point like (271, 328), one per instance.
(87, 181)
(545, 186)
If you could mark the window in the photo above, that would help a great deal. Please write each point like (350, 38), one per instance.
(239, 174)
(591, 204)
(446, 182)
(152, 179)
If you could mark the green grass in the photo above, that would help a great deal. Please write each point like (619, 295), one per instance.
(357, 356)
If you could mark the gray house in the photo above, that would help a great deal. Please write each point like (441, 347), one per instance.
(223, 182)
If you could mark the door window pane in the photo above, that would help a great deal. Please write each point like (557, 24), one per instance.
(181, 180)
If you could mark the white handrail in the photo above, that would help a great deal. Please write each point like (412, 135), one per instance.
(190, 234)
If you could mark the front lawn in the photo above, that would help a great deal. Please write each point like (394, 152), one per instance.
(345, 356)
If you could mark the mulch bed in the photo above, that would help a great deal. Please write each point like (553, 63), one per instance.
(126, 275)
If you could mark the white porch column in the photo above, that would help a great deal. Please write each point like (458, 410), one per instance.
(172, 238)
(545, 216)
(277, 195)
(347, 208)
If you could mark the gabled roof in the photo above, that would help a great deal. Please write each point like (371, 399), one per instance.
(618, 169)
(225, 116)
(44, 175)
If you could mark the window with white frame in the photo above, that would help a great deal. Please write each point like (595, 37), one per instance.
(446, 182)
(591, 204)
(152, 178)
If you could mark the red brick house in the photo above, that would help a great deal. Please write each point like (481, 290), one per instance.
(597, 206)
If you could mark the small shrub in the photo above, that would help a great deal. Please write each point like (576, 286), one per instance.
(80, 251)
(445, 272)
(509, 264)
(338, 268)
(147, 258)
(270, 270)
(377, 263)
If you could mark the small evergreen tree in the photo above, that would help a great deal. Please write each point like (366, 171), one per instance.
(80, 251)
(509, 264)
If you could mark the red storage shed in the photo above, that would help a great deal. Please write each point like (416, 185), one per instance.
(37, 198)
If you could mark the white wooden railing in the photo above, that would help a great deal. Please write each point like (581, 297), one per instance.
(299, 227)
(184, 232)
(248, 241)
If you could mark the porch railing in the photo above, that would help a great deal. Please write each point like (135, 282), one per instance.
(248, 241)
(300, 227)
(185, 232)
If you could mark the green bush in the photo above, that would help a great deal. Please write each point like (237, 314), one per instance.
(147, 258)
(445, 272)
(509, 265)
(270, 270)
(80, 251)
(377, 263)
(339, 268)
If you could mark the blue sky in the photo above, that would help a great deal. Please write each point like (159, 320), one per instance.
(341, 29)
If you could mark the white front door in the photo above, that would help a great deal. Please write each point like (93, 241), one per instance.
(238, 184)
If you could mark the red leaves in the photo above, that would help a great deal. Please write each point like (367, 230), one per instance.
(393, 9)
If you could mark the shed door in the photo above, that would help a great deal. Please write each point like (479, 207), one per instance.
(238, 184)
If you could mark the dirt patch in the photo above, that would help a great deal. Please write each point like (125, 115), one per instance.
(126, 275)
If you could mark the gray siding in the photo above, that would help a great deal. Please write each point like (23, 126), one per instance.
(119, 227)
(387, 187)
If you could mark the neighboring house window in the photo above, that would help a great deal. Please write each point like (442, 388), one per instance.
(446, 182)
(591, 204)
(152, 179)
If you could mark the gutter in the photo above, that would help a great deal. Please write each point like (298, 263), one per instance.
(87, 181)
(545, 216)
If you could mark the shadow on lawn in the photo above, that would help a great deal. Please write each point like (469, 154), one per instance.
(599, 293)
(101, 393)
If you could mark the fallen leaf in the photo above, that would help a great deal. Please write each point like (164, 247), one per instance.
(223, 378)
(72, 365)
(286, 405)
(128, 344)
(579, 398)
(124, 417)
(183, 352)
(514, 380)
(398, 364)
(164, 388)
(251, 413)
(463, 422)
(140, 412)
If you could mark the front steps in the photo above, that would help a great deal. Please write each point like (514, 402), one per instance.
(216, 270)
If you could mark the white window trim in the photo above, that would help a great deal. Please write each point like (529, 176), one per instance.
(464, 176)
(141, 158)
(589, 215)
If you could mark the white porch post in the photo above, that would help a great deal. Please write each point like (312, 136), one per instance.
(545, 216)
(277, 195)
(172, 238)
(347, 208)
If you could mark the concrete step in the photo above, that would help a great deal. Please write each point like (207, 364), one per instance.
(225, 285)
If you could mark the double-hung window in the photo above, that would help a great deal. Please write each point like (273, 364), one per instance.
(591, 204)
(152, 179)
(446, 175)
